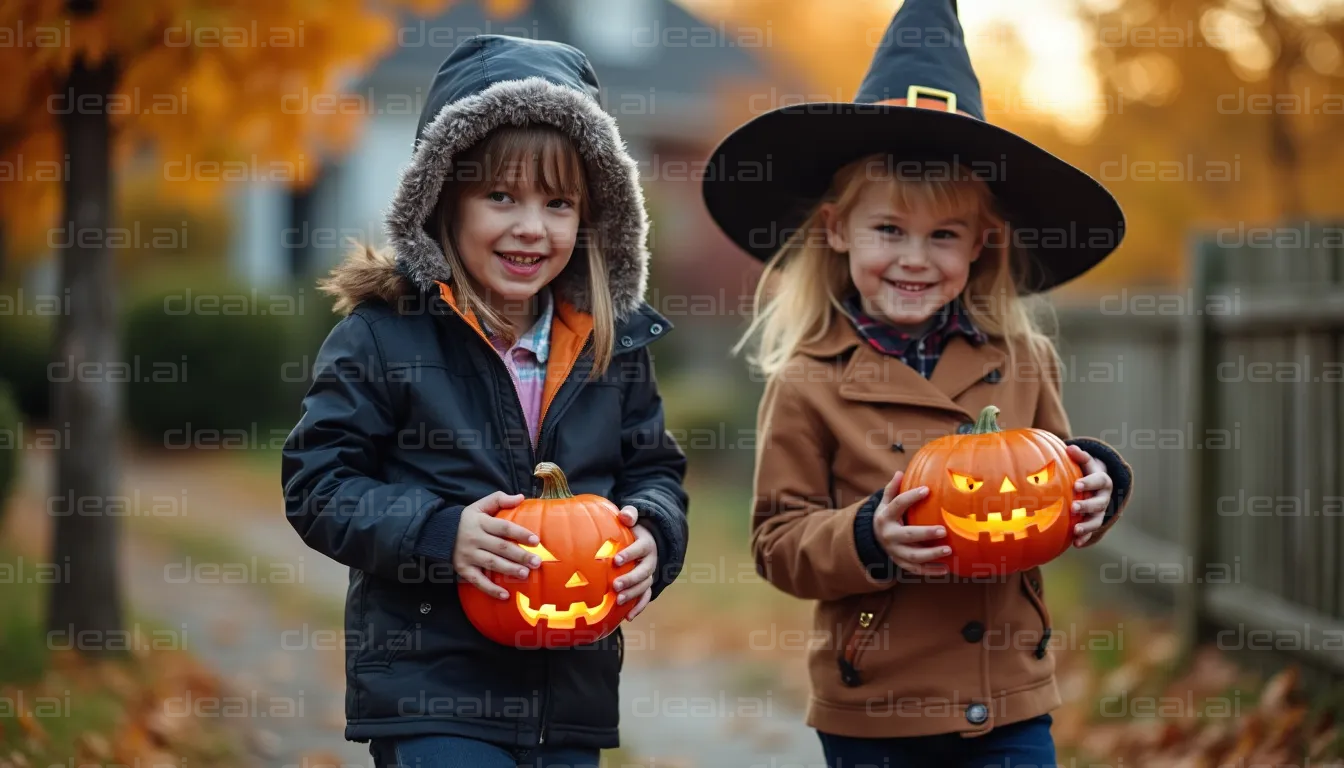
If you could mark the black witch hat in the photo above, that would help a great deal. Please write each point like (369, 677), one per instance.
(920, 102)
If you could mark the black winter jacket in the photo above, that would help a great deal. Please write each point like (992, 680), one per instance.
(412, 415)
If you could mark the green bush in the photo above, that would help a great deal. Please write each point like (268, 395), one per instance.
(26, 341)
(311, 330)
(208, 366)
(9, 447)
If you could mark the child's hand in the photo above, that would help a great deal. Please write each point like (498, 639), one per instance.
(638, 583)
(1093, 492)
(901, 541)
(486, 543)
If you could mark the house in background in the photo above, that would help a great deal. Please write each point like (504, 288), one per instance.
(666, 76)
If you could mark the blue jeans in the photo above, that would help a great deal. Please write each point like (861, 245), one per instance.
(1025, 744)
(458, 752)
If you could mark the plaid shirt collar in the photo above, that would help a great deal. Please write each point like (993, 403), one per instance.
(951, 320)
(536, 339)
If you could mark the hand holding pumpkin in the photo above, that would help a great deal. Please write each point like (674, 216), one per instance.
(901, 541)
(1093, 492)
(1007, 496)
(487, 543)
(638, 583)
(566, 597)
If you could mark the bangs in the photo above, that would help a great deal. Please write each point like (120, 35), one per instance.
(944, 199)
(533, 156)
(944, 193)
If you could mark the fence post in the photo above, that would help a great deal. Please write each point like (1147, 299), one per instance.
(1199, 390)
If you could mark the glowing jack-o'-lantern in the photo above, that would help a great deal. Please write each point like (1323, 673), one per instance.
(569, 599)
(1005, 497)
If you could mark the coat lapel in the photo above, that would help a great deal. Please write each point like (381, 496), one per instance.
(872, 377)
(963, 364)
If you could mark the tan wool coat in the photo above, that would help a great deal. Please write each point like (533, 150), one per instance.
(894, 654)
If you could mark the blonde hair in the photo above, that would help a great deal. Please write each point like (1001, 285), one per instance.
(804, 284)
(542, 155)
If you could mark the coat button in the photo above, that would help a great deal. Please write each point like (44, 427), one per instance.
(424, 607)
(656, 328)
(965, 428)
(626, 341)
(977, 714)
(973, 631)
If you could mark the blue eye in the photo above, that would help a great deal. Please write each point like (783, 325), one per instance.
(499, 197)
(888, 229)
(560, 203)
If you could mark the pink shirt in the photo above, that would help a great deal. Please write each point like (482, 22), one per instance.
(526, 361)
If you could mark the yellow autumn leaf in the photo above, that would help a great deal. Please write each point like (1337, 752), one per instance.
(202, 84)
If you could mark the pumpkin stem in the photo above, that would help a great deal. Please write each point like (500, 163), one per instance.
(988, 421)
(553, 482)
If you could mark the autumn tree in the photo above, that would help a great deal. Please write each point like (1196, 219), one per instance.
(1260, 77)
(91, 85)
(1216, 116)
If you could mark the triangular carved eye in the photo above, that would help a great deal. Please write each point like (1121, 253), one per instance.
(607, 549)
(539, 551)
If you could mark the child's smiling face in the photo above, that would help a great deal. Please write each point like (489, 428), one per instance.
(515, 238)
(906, 261)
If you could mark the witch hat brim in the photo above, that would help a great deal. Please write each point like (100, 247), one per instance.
(767, 175)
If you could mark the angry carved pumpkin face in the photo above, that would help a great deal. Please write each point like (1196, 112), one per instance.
(1005, 497)
(568, 600)
(1012, 521)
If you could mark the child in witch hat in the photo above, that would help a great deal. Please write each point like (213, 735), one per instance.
(901, 234)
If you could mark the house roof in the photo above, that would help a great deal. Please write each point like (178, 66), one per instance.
(659, 66)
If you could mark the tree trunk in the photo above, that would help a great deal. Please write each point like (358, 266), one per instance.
(1283, 149)
(300, 244)
(87, 406)
(1283, 152)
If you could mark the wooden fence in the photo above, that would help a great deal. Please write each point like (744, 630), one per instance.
(1227, 397)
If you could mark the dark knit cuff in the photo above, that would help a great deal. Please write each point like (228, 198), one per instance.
(1122, 477)
(438, 536)
(874, 558)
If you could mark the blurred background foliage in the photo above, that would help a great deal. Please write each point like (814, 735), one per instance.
(1197, 114)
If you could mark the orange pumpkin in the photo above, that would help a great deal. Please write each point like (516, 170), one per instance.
(1005, 497)
(568, 600)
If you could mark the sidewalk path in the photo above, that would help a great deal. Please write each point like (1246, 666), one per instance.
(287, 671)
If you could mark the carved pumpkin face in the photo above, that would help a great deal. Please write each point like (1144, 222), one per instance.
(1005, 497)
(568, 600)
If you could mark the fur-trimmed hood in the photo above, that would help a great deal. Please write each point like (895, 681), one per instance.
(490, 81)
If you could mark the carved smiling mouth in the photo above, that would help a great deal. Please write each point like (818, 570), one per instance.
(1018, 523)
(556, 619)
